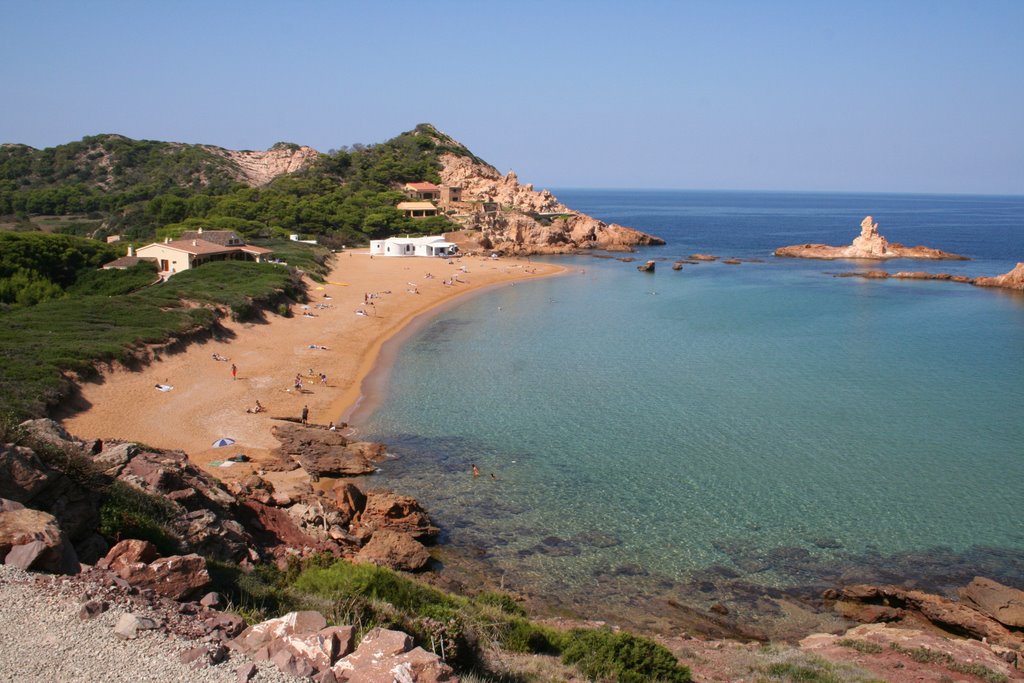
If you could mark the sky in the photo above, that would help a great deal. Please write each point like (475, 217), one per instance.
(894, 96)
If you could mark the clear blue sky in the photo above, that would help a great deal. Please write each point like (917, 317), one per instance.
(894, 96)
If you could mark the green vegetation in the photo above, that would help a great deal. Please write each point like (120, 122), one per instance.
(66, 316)
(464, 628)
(142, 188)
(805, 668)
(862, 646)
(127, 512)
(925, 655)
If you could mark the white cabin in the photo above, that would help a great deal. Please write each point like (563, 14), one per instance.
(435, 245)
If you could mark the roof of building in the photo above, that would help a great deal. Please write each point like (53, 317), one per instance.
(430, 239)
(416, 206)
(221, 237)
(253, 249)
(195, 246)
(423, 187)
(126, 261)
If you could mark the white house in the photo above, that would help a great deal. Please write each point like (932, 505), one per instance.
(435, 245)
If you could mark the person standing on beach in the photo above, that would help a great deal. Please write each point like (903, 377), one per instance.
(234, 372)
(305, 414)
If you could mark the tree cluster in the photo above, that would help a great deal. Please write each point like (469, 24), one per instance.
(140, 187)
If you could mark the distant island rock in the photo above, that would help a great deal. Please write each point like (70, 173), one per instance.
(868, 245)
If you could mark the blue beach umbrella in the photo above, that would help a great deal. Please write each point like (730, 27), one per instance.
(223, 441)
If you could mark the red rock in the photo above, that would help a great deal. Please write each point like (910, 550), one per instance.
(387, 656)
(387, 510)
(1002, 603)
(393, 549)
(246, 672)
(31, 539)
(174, 577)
(128, 552)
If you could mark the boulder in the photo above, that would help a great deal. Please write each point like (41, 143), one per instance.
(387, 656)
(127, 553)
(22, 474)
(48, 431)
(129, 625)
(1002, 603)
(349, 499)
(174, 577)
(388, 510)
(258, 635)
(32, 539)
(395, 550)
(113, 459)
(647, 267)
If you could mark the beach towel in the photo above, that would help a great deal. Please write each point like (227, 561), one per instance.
(163, 387)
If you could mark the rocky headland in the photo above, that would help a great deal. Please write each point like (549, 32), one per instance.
(868, 245)
(501, 214)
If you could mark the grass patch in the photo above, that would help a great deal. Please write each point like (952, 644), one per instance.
(924, 655)
(40, 344)
(863, 646)
(126, 512)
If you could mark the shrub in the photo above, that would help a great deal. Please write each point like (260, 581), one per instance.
(503, 601)
(602, 654)
(126, 512)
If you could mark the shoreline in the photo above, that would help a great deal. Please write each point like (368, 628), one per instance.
(325, 335)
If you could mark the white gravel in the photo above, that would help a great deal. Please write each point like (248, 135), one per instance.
(43, 640)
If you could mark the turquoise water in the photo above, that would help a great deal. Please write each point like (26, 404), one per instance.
(736, 428)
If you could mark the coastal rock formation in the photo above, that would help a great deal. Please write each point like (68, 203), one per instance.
(1012, 280)
(862, 602)
(1002, 603)
(868, 245)
(396, 550)
(647, 267)
(259, 168)
(513, 218)
(325, 453)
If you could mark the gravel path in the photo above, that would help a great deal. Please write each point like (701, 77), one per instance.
(43, 640)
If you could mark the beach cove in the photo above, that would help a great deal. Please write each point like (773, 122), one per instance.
(327, 336)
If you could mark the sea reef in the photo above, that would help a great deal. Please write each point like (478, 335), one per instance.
(1011, 280)
(868, 245)
(513, 218)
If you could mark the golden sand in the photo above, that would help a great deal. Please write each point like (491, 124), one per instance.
(207, 404)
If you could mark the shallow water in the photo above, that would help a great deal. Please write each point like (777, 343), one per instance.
(765, 425)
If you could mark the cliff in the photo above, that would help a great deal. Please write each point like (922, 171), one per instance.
(515, 218)
(868, 245)
(259, 168)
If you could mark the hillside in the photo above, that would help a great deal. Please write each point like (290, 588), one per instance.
(110, 184)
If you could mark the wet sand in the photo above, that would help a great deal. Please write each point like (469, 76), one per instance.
(324, 336)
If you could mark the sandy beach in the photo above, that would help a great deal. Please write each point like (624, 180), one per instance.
(326, 336)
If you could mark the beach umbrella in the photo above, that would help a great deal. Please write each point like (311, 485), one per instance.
(223, 441)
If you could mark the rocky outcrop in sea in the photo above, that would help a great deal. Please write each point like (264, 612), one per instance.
(868, 245)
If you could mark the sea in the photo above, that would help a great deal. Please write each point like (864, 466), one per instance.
(714, 447)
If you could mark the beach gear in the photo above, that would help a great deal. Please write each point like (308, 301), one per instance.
(223, 441)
